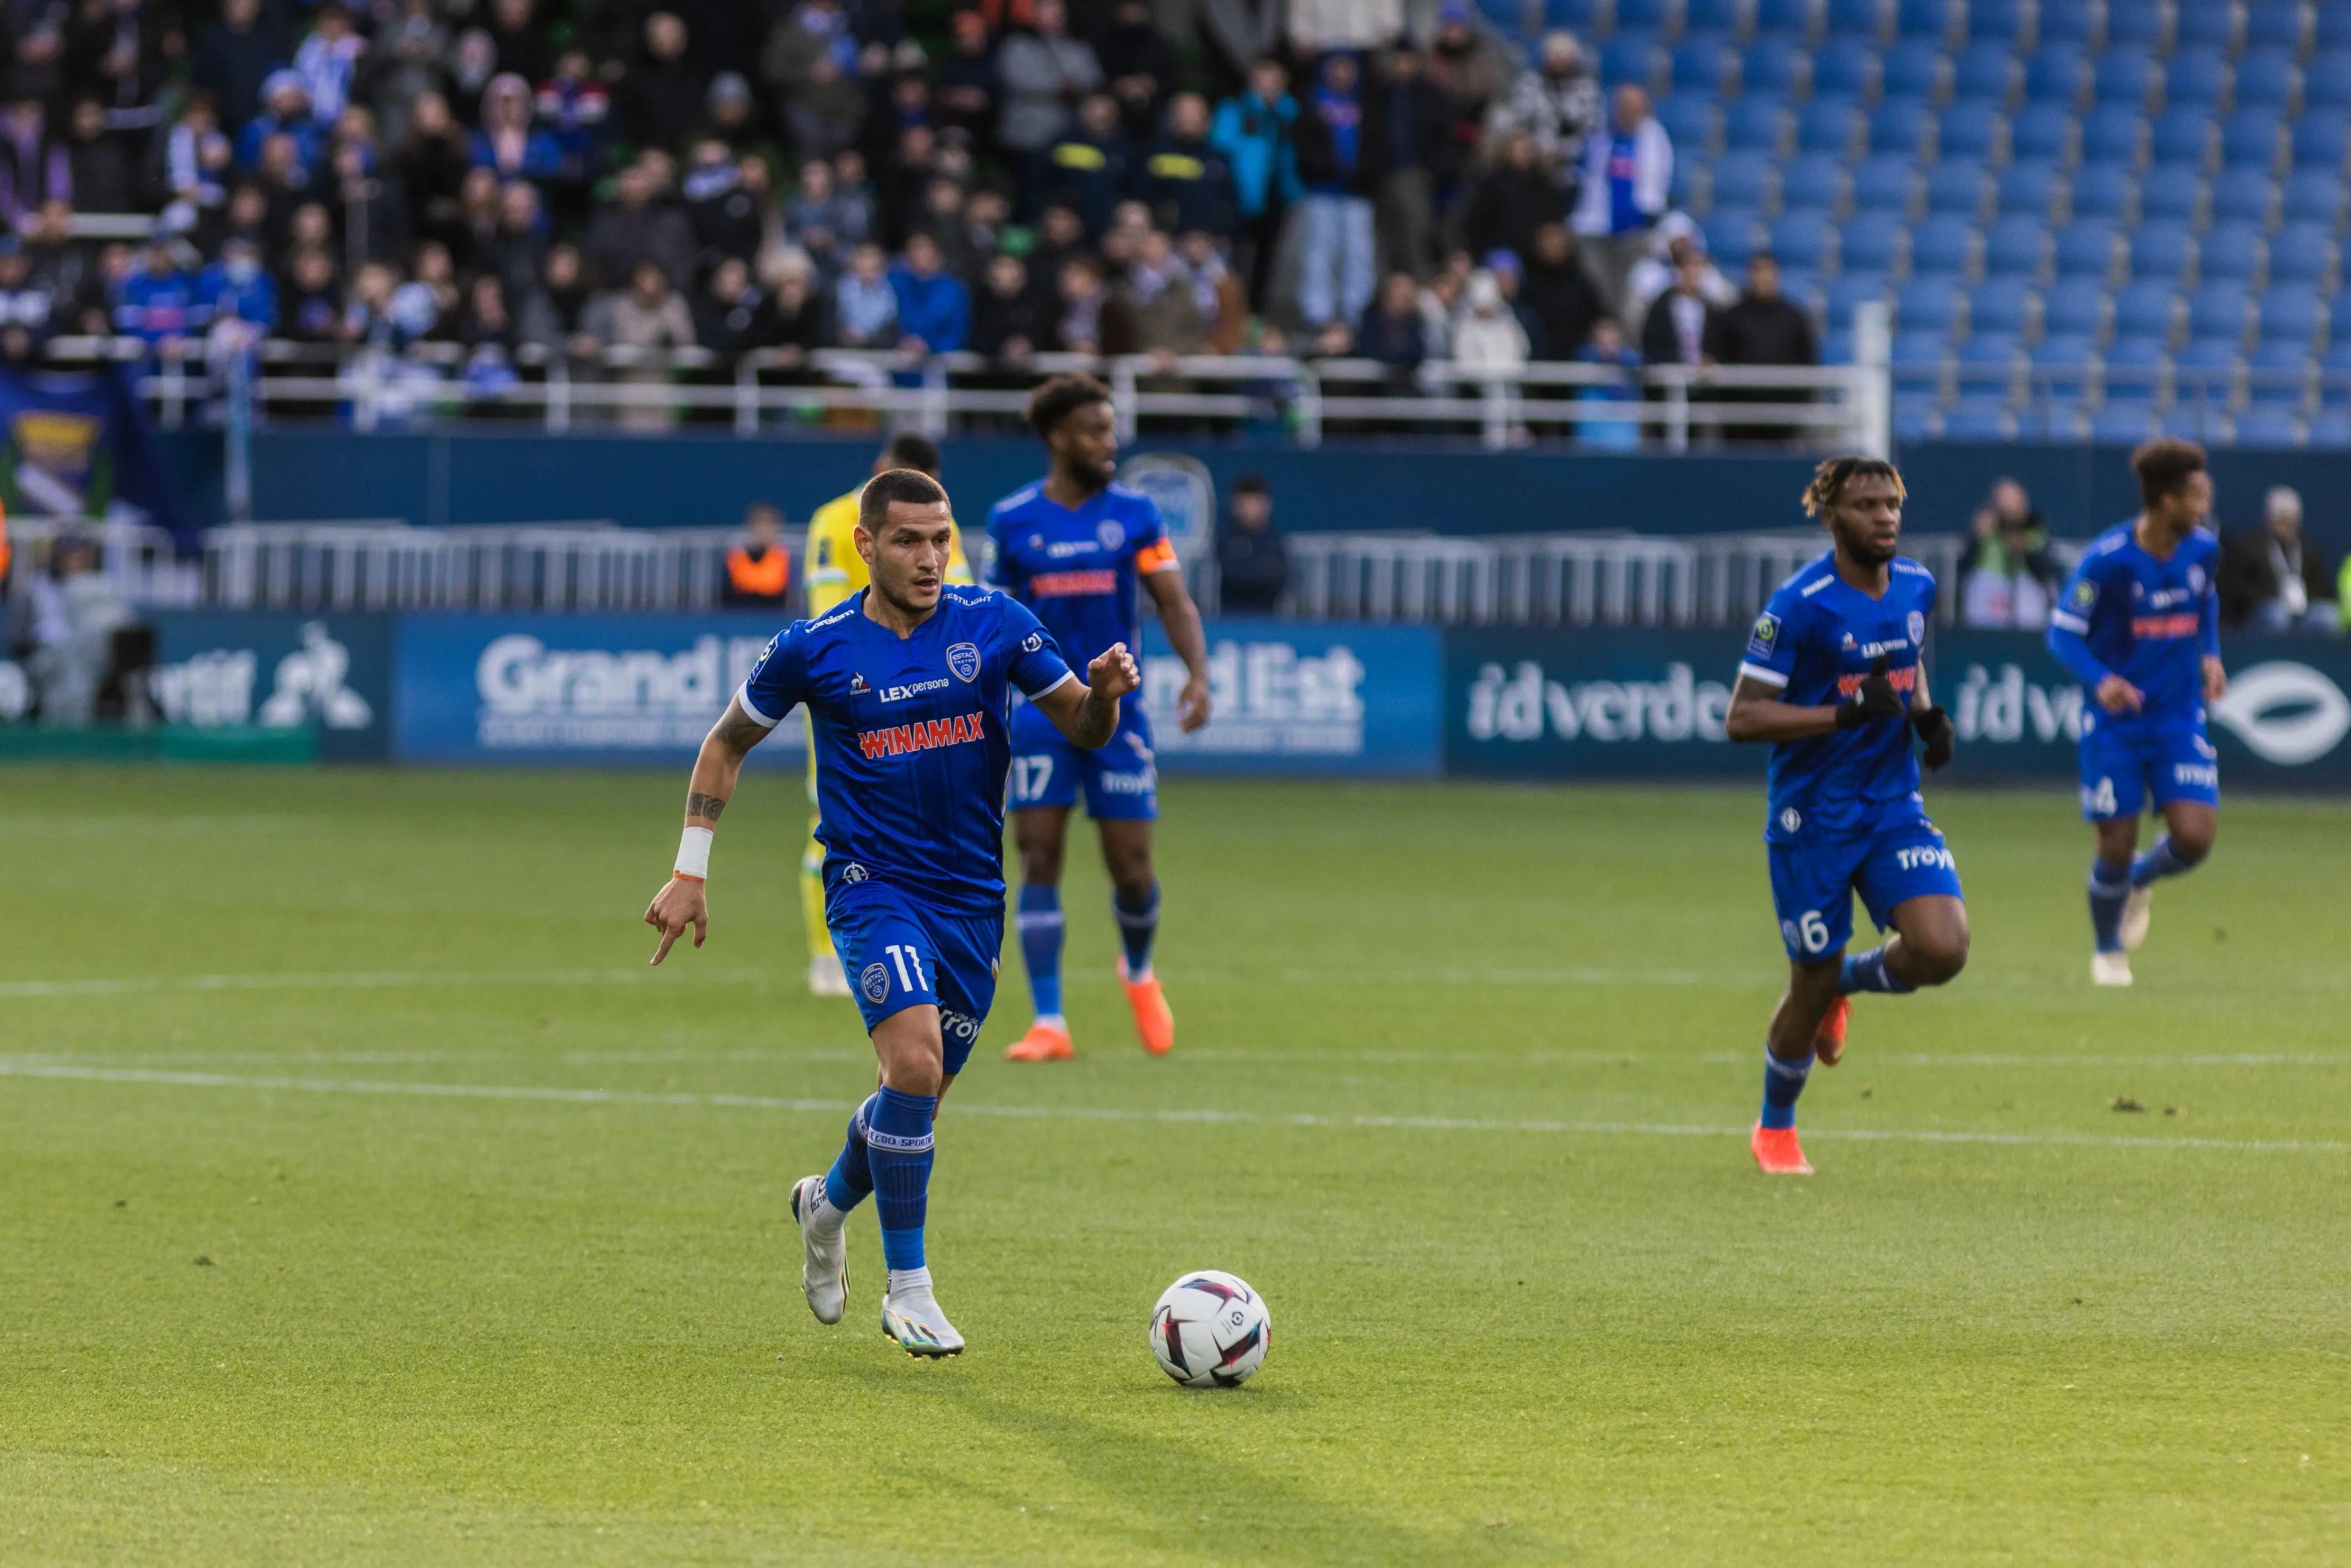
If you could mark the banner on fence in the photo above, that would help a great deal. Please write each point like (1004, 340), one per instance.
(1301, 698)
(79, 444)
(219, 669)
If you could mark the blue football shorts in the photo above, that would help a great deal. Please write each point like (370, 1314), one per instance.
(1120, 781)
(2123, 764)
(900, 954)
(1813, 884)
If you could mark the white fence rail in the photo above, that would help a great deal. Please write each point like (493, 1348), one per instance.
(390, 566)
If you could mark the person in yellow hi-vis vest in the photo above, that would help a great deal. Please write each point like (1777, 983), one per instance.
(834, 571)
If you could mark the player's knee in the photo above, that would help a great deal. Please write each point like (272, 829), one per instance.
(1940, 958)
(916, 1066)
(2194, 842)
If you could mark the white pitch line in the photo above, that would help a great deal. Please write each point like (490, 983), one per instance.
(18, 1068)
(391, 979)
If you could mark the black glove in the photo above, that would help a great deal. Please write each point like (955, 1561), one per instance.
(1876, 699)
(1934, 728)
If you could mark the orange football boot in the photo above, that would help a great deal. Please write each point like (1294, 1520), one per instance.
(1043, 1042)
(1777, 1151)
(1155, 1020)
(1828, 1040)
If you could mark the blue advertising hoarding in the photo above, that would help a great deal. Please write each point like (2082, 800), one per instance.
(225, 668)
(1303, 697)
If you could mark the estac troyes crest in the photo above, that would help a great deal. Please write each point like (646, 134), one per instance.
(1918, 629)
(963, 661)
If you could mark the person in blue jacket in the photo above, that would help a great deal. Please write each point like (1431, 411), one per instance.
(934, 307)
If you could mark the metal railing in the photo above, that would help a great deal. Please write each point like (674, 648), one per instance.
(140, 559)
(390, 566)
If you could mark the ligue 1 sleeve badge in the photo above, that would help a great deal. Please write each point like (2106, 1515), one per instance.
(963, 661)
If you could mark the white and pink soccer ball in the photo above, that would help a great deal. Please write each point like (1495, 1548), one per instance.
(1210, 1331)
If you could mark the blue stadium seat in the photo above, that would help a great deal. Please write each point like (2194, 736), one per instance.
(2135, 367)
(1929, 19)
(2333, 28)
(2266, 427)
(1694, 123)
(2279, 375)
(1755, 124)
(1847, 66)
(1979, 419)
(1850, 289)
(2328, 427)
(1998, 307)
(2144, 312)
(1832, 125)
(2057, 73)
(1928, 305)
(1772, 64)
(2233, 252)
(1919, 364)
(2122, 423)
(2043, 130)
(2016, 250)
(2126, 76)
(2220, 310)
(2138, 23)
(1581, 15)
(1886, 185)
(1856, 18)
(2029, 189)
(1510, 16)
(2200, 77)
(1969, 130)
(2181, 136)
(1728, 16)
(2326, 81)
(1794, 18)
(1958, 185)
(1704, 64)
(1995, 21)
(1814, 182)
(2275, 24)
(1986, 71)
(2086, 249)
(2171, 192)
(1634, 57)
(1645, 16)
(2322, 138)
(2209, 26)
(2313, 196)
(1942, 245)
(2335, 367)
(1746, 179)
(1987, 365)
(1914, 69)
(2075, 308)
(2302, 253)
(2289, 313)
(1870, 243)
(2070, 21)
(2251, 139)
(2266, 78)
(1804, 241)
(2062, 366)
(1731, 237)
(2161, 251)
(2243, 198)
(1804, 288)
(2103, 191)
(2204, 375)
(1914, 415)
(1682, 192)
(1899, 125)
(2114, 133)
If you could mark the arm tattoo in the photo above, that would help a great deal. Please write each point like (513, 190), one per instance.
(707, 805)
(737, 731)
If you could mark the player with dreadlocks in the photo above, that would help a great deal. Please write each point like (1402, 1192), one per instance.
(1833, 680)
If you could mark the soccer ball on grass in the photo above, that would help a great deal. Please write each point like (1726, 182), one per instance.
(1210, 1331)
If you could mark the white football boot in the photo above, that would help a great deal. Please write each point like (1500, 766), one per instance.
(825, 978)
(2137, 912)
(2110, 969)
(824, 1253)
(910, 1316)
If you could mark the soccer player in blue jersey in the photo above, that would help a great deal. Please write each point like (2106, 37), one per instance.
(2139, 623)
(907, 684)
(1080, 550)
(1833, 679)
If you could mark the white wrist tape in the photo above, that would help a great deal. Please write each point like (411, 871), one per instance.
(694, 853)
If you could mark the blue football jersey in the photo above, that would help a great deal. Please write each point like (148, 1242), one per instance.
(1817, 640)
(909, 737)
(2150, 621)
(1081, 571)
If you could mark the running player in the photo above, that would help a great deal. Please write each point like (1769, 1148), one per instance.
(835, 570)
(2139, 624)
(907, 684)
(1074, 548)
(1833, 678)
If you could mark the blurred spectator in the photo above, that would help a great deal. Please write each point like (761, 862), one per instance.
(1252, 562)
(1607, 348)
(1676, 240)
(2007, 576)
(1256, 133)
(818, 222)
(727, 219)
(1086, 318)
(554, 313)
(1343, 24)
(237, 288)
(801, 323)
(2274, 578)
(426, 305)
(1157, 290)
(77, 610)
(158, 299)
(34, 167)
(507, 144)
(965, 96)
(104, 172)
(1765, 328)
(236, 57)
(405, 65)
(1486, 335)
(1184, 176)
(760, 570)
(1004, 319)
(1043, 73)
(1511, 200)
(864, 305)
(732, 315)
(521, 39)
(633, 230)
(518, 248)
(934, 308)
(1391, 331)
(27, 308)
(489, 334)
(1216, 292)
(430, 166)
(1680, 327)
(658, 98)
(1560, 294)
(329, 60)
(1409, 125)
(1139, 65)
(311, 304)
(196, 164)
(1628, 173)
(1085, 166)
(648, 319)
(1558, 105)
(286, 111)
(1336, 164)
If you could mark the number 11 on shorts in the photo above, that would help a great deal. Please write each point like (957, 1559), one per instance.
(906, 959)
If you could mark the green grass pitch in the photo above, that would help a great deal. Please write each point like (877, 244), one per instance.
(372, 1202)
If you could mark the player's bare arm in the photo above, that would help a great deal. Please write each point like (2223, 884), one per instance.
(2216, 679)
(1757, 713)
(1088, 713)
(682, 901)
(1181, 620)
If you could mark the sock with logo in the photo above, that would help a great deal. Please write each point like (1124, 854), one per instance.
(1868, 972)
(851, 1175)
(2164, 860)
(898, 1144)
(2110, 887)
(1138, 924)
(1040, 948)
(1783, 1079)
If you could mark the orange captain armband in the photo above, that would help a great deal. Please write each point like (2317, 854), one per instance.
(1157, 555)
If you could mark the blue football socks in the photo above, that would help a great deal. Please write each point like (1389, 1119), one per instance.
(1040, 923)
(1783, 1079)
(851, 1175)
(898, 1145)
(1868, 972)
(1138, 923)
(2110, 888)
(2164, 860)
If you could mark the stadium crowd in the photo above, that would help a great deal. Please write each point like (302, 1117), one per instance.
(1371, 177)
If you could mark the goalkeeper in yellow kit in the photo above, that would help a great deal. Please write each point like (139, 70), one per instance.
(834, 571)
